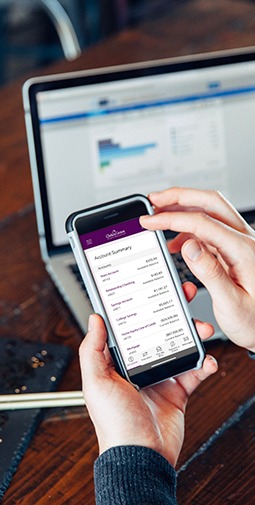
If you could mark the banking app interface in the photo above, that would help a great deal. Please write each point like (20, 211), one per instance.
(138, 294)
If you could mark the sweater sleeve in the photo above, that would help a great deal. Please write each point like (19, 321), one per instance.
(134, 475)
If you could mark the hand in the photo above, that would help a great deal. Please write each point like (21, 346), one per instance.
(219, 248)
(153, 417)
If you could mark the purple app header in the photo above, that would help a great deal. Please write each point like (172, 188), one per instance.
(111, 233)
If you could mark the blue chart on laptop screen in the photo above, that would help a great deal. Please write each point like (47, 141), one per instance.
(111, 152)
(155, 147)
(192, 128)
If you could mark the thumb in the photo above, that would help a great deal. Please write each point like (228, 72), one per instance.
(206, 267)
(91, 352)
(190, 380)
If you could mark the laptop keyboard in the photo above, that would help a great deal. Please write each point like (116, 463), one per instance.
(76, 272)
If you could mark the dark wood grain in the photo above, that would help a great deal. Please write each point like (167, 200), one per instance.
(64, 449)
(58, 465)
(224, 472)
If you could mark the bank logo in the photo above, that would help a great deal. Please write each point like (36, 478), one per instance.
(115, 234)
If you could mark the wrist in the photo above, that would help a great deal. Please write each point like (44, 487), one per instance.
(169, 451)
(106, 443)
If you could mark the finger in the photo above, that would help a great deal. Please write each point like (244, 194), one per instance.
(191, 380)
(212, 202)
(204, 329)
(204, 227)
(91, 352)
(175, 244)
(190, 290)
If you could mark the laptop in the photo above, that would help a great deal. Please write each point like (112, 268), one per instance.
(98, 135)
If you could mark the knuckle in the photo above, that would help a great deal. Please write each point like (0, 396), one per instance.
(248, 247)
(218, 197)
(218, 194)
(214, 194)
(201, 221)
(213, 269)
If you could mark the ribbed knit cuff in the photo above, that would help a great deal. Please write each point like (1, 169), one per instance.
(134, 475)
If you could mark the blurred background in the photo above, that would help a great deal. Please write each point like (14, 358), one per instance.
(34, 33)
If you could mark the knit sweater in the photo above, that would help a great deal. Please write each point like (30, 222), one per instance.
(134, 475)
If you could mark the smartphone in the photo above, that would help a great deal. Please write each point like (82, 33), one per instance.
(133, 284)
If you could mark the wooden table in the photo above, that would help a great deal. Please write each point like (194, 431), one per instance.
(217, 462)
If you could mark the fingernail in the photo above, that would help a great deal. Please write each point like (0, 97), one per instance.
(212, 358)
(213, 361)
(155, 193)
(91, 322)
(144, 218)
(193, 250)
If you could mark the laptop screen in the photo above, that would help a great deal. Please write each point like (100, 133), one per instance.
(123, 132)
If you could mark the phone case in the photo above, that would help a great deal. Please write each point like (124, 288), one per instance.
(92, 289)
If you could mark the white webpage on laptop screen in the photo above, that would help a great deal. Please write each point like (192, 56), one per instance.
(192, 128)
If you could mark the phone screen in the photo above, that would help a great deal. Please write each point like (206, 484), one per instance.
(138, 294)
